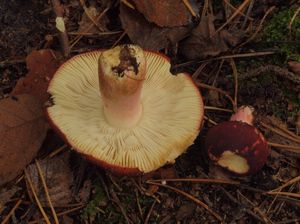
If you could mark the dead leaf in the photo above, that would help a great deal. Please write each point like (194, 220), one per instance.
(22, 131)
(148, 35)
(58, 177)
(167, 13)
(85, 192)
(204, 42)
(6, 195)
(294, 66)
(42, 65)
(186, 210)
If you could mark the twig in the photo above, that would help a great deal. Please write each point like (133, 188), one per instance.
(138, 203)
(11, 62)
(236, 83)
(187, 195)
(293, 19)
(248, 13)
(271, 69)
(296, 195)
(62, 213)
(150, 212)
(244, 55)
(55, 152)
(290, 182)
(202, 85)
(64, 39)
(119, 39)
(11, 212)
(89, 16)
(46, 191)
(36, 197)
(217, 109)
(119, 204)
(241, 13)
(279, 132)
(210, 120)
(189, 7)
(259, 27)
(237, 12)
(75, 41)
(198, 180)
(290, 148)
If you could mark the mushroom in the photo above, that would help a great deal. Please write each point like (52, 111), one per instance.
(236, 145)
(124, 110)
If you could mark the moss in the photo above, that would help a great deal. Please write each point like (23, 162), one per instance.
(277, 31)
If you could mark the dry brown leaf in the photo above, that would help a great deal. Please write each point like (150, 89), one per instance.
(42, 65)
(148, 35)
(294, 66)
(167, 13)
(22, 131)
(204, 42)
(58, 177)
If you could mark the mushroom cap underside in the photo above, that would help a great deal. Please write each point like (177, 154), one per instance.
(172, 115)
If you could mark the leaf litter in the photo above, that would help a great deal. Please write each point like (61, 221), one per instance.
(135, 200)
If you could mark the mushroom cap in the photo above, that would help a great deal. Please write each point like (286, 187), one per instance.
(237, 147)
(171, 120)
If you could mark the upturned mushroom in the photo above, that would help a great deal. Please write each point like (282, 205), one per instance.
(124, 110)
(236, 145)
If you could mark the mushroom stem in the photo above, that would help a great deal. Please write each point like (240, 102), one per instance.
(121, 74)
(244, 114)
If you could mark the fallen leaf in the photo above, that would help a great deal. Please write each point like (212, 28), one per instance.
(186, 210)
(85, 192)
(6, 195)
(22, 131)
(294, 66)
(167, 13)
(58, 177)
(146, 34)
(42, 65)
(204, 41)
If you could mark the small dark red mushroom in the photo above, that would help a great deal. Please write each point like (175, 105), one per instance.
(236, 145)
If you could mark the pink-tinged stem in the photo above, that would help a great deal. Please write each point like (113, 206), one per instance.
(244, 114)
(121, 75)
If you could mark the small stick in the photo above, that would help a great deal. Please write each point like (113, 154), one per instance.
(293, 19)
(36, 197)
(202, 85)
(125, 2)
(64, 39)
(237, 12)
(290, 182)
(210, 120)
(149, 213)
(241, 13)
(46, 191)
(198, 180)
(279, 132)
(119, 204)
(138, 203)
(62, 213)
(187, 195)
(217, 108)
(189, 7)
(259, 26)
(55, 152)
(276, 70)
(11, 212)
(296, 195)
(89, 16)
(243, 55)
(119, 39)
(236, 83)
(289, 148)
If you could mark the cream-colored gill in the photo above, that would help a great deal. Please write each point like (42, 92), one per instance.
(172, 112)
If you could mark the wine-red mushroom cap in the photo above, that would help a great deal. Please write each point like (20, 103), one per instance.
(237, 147)
(171, 117)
